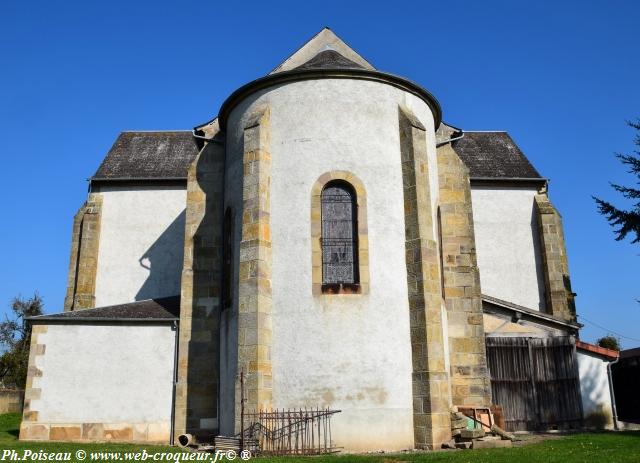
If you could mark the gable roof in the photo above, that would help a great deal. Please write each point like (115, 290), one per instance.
(149, 156)
(494, 155)
(324, 40)
(161, 309)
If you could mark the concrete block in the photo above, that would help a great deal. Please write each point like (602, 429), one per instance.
(472, 433)
(490, 444)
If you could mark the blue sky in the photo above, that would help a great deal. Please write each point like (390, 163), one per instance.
(561, 77)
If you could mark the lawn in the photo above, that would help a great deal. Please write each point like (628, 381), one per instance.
(606, 447)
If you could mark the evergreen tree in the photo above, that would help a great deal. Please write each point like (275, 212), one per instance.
(626, 221)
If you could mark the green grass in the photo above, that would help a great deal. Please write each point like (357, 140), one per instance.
(605, 447)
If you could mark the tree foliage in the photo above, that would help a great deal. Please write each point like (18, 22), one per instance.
(626, 222)
(15, 337)
(609, 342)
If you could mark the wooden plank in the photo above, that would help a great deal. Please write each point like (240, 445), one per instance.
(535, 381)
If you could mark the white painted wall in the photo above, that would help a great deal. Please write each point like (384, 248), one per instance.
(508, 245)
(594, 385)
(347, 352)
(141, 243)
(105, 374)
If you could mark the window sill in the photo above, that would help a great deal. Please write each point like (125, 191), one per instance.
(341, 288)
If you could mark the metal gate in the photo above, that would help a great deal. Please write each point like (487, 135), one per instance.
(536, 382)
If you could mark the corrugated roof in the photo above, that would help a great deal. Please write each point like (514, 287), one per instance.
(148, 155)
(161, 309)
(494, 155)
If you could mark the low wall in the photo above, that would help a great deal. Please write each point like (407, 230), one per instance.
(11, 401)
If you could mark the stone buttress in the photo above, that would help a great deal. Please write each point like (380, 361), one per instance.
(470, 383)
(83, 262)
(196, 400)
(431, 418)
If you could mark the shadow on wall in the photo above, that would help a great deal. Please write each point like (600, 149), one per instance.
(537, 253)
(164, 261)
(202, 302)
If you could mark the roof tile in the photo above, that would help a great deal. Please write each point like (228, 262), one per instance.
(148, 155)
(493, 155)
(166, 308)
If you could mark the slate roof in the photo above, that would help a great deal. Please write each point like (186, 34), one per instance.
(167, 155)
(161, 309)
(148, 155)
(494, 155)
(329, 59)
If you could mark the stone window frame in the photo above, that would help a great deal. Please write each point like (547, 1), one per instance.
(362, 235)
(352, 283)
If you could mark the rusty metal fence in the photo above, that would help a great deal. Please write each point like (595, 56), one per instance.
(291, 432)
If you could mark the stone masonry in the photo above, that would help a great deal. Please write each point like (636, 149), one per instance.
(196, 409)
(559, 297)
(470, 383)
(255, 304)
(83, 262)
(29, 427)
(431, 417)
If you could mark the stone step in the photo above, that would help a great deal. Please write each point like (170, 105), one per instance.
(472, 433)
(490, 443)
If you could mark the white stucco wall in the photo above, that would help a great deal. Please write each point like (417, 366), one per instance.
(508, 245)
(347, 352)
(141, 243)
(110, 374)
(594, 385)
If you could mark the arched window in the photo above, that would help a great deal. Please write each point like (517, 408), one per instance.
(339, 234)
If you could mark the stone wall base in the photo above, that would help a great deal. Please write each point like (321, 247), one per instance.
(151, 433)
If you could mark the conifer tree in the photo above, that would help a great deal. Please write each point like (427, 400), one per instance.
(626, 222)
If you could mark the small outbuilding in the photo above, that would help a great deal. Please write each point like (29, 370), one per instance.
(103, 374)
(595, 384)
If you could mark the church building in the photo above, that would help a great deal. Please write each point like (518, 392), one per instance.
(331, 240)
